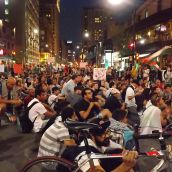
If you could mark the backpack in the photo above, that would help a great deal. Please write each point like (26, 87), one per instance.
(26, 124)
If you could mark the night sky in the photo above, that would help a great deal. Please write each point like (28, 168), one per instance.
(71, 10)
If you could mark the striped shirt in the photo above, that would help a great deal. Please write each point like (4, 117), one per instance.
(52, 141)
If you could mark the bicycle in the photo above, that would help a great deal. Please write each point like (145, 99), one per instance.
(84, 128)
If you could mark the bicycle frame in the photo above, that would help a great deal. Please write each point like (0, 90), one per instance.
(93, 156)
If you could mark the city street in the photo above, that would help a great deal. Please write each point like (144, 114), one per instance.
(79, 78)
(15, 148)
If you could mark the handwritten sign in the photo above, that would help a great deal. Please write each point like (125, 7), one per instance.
(18, 69)
(83, 64)
(2, 68)
(99, 74)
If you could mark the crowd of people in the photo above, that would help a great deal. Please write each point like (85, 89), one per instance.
(117, 104)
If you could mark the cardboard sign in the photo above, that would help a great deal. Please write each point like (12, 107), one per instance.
(18, 68)
(83, 64)
(2, 67)
(99, 74)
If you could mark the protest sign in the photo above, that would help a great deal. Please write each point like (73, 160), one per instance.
(83, 64)
(1, 68)
(18, 69)
(99, 74)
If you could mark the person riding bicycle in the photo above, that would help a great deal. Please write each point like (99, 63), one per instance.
(99, 142)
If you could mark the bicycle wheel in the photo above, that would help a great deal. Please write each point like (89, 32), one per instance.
(48, 164)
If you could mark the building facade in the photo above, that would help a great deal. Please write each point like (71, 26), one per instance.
(49, 30)
(94, 21)
(32, 31)
(23, 18)
(153, 25)
(7, 32)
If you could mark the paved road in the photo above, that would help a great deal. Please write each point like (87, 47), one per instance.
(15, 148)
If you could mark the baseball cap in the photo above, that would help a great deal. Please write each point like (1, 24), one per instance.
(104, 124)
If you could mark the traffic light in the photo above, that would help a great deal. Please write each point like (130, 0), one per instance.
(131, 45)
(13, 53)
(137, 56)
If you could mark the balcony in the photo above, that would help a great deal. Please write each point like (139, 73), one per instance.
(152, 46)
(158, 18)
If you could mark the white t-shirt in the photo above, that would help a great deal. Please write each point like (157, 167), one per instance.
(51, 100)
(37, 111)
(132, 102)
(150, 120)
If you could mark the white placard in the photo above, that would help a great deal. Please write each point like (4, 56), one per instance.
(83, 64)
(99, 74)
(1, 68)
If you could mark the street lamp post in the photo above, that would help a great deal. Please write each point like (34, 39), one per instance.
(86, 36)
(118, 2)
(115, 2)
(134, 36)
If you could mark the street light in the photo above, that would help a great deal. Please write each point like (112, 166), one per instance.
(118, 2)
(142, 41)
(115, 2)
(36, 31)
(1, 23)
(77, 47)
(86, 35)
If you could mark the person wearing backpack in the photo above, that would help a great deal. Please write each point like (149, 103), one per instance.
(40, 113)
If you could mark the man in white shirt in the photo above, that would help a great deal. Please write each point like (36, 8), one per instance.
(99, 142)
(54, 97)
(151, 117)
(130, 94)
(131, 102)
(40, 111)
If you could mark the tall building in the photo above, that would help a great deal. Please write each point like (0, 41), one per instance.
(153, 28)
(153, 25)
(94, 22)
(23, 17)
(7, 32)
(49, 30)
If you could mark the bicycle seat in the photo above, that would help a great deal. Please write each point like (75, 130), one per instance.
(73, 125)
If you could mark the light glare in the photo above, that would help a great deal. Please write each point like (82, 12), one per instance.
(87, 35)
(115, 2)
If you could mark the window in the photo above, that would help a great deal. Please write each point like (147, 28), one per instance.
(6, 2)
(97, 20)
(6, 11)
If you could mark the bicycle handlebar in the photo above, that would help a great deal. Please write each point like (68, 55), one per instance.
(104, 156)
(153, 136)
